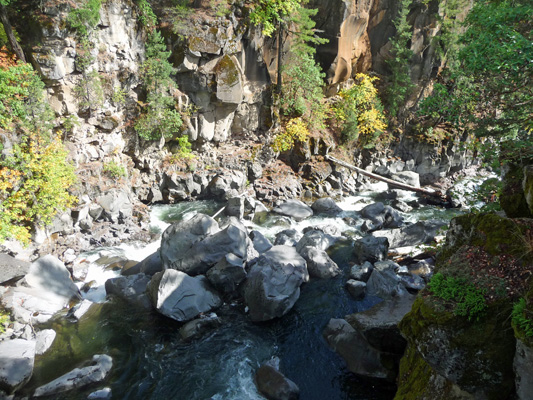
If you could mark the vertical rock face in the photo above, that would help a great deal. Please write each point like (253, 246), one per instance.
(359, 34)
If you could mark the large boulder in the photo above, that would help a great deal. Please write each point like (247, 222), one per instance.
(260, 242)
(272, 384)
(180, 296)
(46, 289)
(204, 254)
(79, 377)
(361, 272)
(287, 237)
(319, 264)
(371, 249)
(179, 237)
(273, 283)
(16, 363)
(295, 209)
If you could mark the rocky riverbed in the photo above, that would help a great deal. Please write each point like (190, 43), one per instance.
(264, 271)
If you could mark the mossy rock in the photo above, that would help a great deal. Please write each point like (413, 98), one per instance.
(418, 381)
(495, 234)
(477, 356)
(513, 199)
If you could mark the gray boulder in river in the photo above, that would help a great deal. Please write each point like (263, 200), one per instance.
(180, 296)
(46, 289)
(273, 283)
(179, 237)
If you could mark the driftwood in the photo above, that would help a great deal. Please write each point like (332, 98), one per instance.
(399, 185)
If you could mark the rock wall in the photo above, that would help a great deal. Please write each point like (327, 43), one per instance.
(359, 34)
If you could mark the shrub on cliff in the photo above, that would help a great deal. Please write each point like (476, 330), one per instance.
(34, 173)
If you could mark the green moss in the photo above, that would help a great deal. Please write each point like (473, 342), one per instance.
(495, 234)
(227, 71)
(522, 318)
(477, 356)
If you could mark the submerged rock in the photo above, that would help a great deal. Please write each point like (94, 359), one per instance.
(272, 384)
(180, 296)
(197, 327)
(16, 363)
(78, 377)
(273, 283)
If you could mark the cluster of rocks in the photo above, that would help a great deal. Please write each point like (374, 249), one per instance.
(202, 263)
(33, 293)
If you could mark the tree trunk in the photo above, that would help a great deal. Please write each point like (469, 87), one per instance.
(10, 35)
(391, 182)
(280, 55)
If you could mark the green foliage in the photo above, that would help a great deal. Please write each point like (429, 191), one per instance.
(294, 131)
(467, 300)
(34, 173)
(114, 170)
(302, 94)
(272, 13)
(119, 96)
(302, 90)
(160, 118)
(4, 319)
(400, 84)
(523, 318)
(146, 15)
(489, 87)
(360, 113)
(85, 18)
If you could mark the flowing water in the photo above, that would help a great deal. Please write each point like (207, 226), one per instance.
(151, 361)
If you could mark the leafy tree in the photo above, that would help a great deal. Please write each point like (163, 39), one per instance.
(400, 84)
(489, 89)
(160, 116)
(302, 79)
(360, 113)
(34, 172)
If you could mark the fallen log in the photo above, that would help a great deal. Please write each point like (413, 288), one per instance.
(399, 185)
